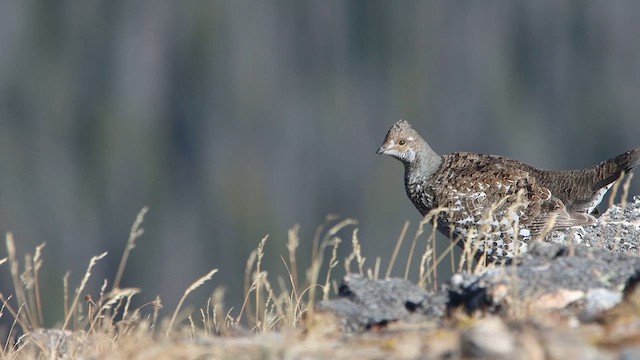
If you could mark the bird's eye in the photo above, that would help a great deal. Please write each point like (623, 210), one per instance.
(402, 142)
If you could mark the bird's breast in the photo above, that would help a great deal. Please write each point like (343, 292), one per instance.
(421, 196)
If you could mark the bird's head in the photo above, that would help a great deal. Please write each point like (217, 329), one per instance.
(401, 142)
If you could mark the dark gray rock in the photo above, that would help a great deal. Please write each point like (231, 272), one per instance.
(549, 272)
(364, 303)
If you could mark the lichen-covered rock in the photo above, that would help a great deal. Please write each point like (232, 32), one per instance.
(618, 229)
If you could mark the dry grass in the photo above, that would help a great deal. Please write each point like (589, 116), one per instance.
(271, 306)
(107, 322)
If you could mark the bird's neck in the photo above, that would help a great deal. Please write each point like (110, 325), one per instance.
(425, 164)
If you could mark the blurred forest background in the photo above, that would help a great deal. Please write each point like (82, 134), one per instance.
(236, 119)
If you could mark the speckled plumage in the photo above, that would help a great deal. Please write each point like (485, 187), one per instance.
(494, 196)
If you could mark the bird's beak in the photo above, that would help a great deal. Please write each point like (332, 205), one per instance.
(381, 150)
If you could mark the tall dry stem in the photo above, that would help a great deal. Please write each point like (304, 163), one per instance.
(396, 249)
(186, 293)
(135, 233)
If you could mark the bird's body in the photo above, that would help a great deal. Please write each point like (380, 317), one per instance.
(499, 203)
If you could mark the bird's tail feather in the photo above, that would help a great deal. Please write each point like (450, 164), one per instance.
(609, 171)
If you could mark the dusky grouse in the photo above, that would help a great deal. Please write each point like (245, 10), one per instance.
(496, 196)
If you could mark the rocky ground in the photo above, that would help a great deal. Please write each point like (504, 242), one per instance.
(579, 301)
(576, 301)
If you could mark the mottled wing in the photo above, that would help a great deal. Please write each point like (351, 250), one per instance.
(495, 191)
(552, 214)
